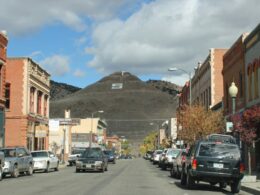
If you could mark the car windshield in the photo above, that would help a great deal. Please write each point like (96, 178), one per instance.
(219, 150)
(92, 153)
(108, 152)
(77, 151)
(174, 153)
(9, 152)
(39, 154)
(158, 152)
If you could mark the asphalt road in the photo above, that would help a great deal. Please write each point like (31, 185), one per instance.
(127, 177)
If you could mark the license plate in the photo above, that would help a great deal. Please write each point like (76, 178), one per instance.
(218, 165)
(88, 165)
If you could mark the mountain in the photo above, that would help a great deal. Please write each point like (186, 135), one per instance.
(60, 90)
(129, 104)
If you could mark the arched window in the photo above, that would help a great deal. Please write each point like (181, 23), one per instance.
(32, 103)
(255, 69)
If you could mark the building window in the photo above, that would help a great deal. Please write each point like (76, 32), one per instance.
(256, 79)
(209, 95)
(1, 78)
(227, 97)
(249, 73)
(32, 92)
(45, 105)
(207, 99)
(241, 84)
(39, 102)
(7, 96)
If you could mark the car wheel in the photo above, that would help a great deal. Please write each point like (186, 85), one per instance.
(235, 186)
(15, 172)
(222, 185)
(178, 173)
(183, 178)
(47, 168)
(190, 181)
(1, 174)
(77, 170)
(172, 172)
(30, 170)
(57, 167)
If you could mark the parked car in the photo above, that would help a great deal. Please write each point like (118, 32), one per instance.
(17, 160)
(222, 138)
(169, 157)
(45, 160)
(213, 162)
(162, 156)
(92, 159)
(75, 154)
(177, 164)
(148, 155)
(2, 163)
(111, 157)
(156, 155)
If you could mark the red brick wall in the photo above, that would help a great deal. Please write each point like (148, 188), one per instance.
(14, 76)
(3, 47)
(234, 65)
(15, 134)
(16, 123)
(218, 78)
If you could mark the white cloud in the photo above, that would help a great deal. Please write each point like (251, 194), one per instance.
(170, 33)
(79, 73)
(177, 79)
(20, 17)
(56, 65)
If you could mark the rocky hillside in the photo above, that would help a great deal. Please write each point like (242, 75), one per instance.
(128, 110)
(60, 90)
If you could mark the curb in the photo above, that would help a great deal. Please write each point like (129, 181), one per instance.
(250, 190)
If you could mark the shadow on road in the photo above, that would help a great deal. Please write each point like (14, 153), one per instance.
(203, 187)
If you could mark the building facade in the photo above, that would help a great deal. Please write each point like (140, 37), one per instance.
(234, 71)
(69, 133)
(207, 82)
(252, 81)
(27, 105)
(3, 47)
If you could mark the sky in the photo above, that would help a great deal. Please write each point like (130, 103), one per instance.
(78, 42)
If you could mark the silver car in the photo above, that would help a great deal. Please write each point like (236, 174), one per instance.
(17, 160)
(45, 160)
(2, 163)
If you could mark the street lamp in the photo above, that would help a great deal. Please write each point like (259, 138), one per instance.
(92, 115)
(188, 73)
(232, 90)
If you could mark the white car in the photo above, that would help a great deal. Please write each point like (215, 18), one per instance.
(156, 156)
(45, 160)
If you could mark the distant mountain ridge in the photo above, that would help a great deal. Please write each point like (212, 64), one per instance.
(129, 111)
(60, 90)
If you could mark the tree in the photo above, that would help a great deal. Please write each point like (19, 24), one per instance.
(197, 122)
(149, 143)
(246, 125)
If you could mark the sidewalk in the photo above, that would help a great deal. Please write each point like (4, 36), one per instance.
(252, 187)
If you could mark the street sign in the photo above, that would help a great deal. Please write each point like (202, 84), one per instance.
(229, 127)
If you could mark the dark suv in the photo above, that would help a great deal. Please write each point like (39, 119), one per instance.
(213, 162)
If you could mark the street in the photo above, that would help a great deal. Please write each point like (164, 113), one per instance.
(136, 176)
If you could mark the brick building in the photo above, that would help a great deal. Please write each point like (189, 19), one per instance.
(3, 46)
(234, 71)
(27, 107)
(252, 81)
(207, 83)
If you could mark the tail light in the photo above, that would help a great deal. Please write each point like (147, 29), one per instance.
(194, 164)
(241, 167)
(183, 158)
